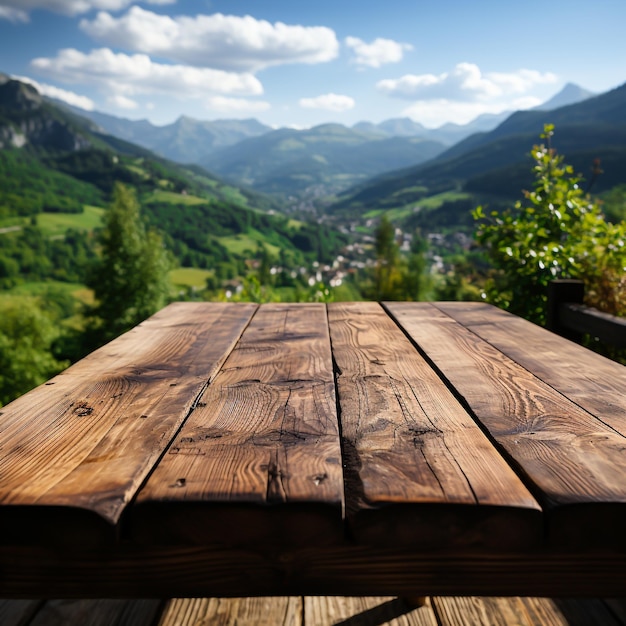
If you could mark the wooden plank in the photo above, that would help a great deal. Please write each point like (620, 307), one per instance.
(460, 611)
(97, 613)
(617, 606)
(574, 462)
(281, 611)
(128, 571)
(346, 611)
(419, 471)
(204, 571)
(309, 611)
(569, 611)
(259, 460)
(74, 451)
(18, 612)
(594, 382)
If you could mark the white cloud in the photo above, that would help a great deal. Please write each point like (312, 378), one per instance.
(377, 53)
(466, 83)
(222, 104)
(127, 75)
(18, 10)
(122, 102)
(526, 102)
(328, 102)
(226, 42)
(434, 113)
(522, 80)
(82, 102)
(12, 14)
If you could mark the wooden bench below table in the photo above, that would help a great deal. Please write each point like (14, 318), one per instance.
(306, 449)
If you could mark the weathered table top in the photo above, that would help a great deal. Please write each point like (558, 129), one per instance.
(349, 448)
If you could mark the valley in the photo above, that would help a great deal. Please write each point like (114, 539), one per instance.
(246, 212)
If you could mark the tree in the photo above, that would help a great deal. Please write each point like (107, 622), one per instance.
(26, 337)
(386, 274)
(415, 280)
(130, 281)
(558, 232)
(395, 275)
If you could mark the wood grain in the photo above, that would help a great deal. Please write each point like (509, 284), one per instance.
(594, 382)
(74, 451)
(97, 613)
(259, 460)
(575, 463)
(419, 471)
(371, 611)
(279, 611)
(197, 571)
(314, 611)
(460, 611)
(457, 611)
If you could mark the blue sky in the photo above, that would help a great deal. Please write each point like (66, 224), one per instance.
(300, 62)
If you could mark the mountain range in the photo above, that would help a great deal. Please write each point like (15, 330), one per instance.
(495, 164)
(323, 160)
(57, 167)
(368, 166)
(331, 157)
(188, 140)
(185, 141)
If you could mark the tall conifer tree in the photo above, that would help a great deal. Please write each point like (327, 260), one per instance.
(130, 282)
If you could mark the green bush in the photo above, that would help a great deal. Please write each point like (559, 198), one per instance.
(558, 231)
(27, 334)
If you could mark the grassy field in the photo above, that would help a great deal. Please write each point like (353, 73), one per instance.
(429, 203)
(42, 288)
(158, 195)
(139, 171)
(180, 278)
(238, 244)
(11, 222)
(295, 224)
(53, 224)
(189, 277)
(434, 202)
(234, 196)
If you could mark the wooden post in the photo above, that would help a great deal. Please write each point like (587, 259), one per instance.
(559, 292)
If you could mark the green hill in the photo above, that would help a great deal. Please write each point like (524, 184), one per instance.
(57, 171)
(495, 164)
(289, 161)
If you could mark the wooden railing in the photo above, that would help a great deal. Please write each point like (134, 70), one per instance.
(569, 317)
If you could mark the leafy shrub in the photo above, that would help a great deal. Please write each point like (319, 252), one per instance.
(27, 333)
(557, 232)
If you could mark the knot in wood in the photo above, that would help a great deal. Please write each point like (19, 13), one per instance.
(82, 409)
(318, 479)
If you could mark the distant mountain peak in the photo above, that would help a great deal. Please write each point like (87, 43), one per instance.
(570, 94)
(331, 127)
(402, 127)
(186, 119)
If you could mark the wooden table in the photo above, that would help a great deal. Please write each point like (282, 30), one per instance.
(342, 449)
